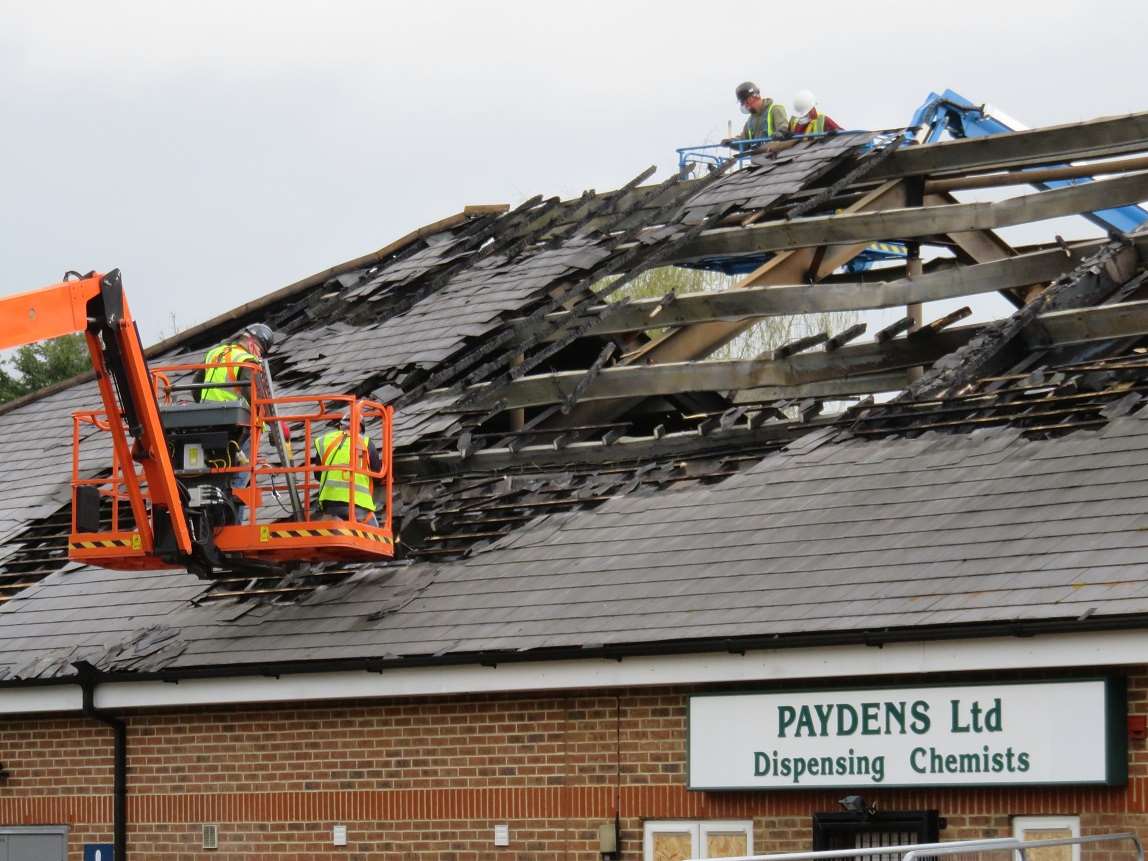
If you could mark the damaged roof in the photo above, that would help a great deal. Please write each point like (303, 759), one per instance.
(575, 473)
(826, 537)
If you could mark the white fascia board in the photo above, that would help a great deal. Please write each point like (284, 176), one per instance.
(42, 698)
(1109, 648)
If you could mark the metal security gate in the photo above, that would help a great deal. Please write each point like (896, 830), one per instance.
(875, 830)
(33, 843)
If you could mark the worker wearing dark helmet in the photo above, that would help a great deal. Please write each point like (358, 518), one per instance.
(223, 380)
(338, 448)
(767, 118)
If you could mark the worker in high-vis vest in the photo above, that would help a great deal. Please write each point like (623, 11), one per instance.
(337, 487)
(223, 379)
(767, 118)
(806, 119)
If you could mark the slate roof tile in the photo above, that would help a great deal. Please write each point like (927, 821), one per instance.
(831, 534)
(729, 560)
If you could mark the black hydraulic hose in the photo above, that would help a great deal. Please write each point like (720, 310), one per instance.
(120, 768)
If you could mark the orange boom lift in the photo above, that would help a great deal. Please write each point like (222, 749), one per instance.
(168, 498)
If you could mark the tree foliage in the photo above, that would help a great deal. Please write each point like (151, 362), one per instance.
(35, 366)
(766, 334)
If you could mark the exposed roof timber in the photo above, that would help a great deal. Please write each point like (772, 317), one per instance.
(794, 376)
(508, 361)
(912, 222)
(789, 267)
(1027, 177)
(681, 444)
(1107, 136)
(860, 369)
(697, 341)
(776, 300)
(888, 273)
(1107, 274)
(1079, 325)
(976, 246)
(869, 384)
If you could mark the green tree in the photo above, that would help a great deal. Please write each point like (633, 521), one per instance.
(35, 366)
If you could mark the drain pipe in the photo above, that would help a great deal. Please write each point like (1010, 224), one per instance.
(87, 679)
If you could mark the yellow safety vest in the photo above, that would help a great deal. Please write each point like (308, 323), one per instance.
(218, 373)
(815, 127)
(334, 449)
(746, 132)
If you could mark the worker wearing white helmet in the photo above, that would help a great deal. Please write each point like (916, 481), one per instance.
(806, 119)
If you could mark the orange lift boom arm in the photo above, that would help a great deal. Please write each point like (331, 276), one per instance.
(96, 306)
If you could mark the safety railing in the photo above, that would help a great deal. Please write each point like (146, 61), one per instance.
(310, 419)
(713, 156)
(297, 471)
(109, 482)
(969, 850)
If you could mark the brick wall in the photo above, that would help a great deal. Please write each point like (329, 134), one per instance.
(429, 778)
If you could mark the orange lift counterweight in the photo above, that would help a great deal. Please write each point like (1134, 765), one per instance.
(174, 466)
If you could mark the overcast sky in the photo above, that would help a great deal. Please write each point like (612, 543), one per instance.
(215, 151)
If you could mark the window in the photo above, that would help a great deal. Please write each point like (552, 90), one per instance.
(1048, 828)
(678, 840)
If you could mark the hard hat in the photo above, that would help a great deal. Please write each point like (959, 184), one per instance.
(344, 420)
(804, 102)
(746, 90)
(262, 335)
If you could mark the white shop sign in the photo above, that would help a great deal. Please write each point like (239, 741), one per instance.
(1005, 734)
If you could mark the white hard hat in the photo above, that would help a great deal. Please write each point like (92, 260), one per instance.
(804, 102)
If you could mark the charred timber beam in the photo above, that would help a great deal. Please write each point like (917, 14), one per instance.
(797, 376)
(1097, 278)
(842, 338)
(869, 384)
(694, 342)
(1027, 177)
(1079, 325)
(911, 222)
(784, 299)
(860, 369)
(626, 450)
(1107, 136)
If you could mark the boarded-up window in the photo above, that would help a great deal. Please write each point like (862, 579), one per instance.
(679, 841)
(673, 845)
(1030, 828)
(723, 844)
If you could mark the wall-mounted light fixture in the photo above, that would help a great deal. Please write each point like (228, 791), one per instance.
(856, 804)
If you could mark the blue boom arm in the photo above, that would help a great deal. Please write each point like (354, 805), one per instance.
(952, 112)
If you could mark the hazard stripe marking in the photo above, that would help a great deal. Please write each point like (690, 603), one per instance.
(330, 533)
(99, 545)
